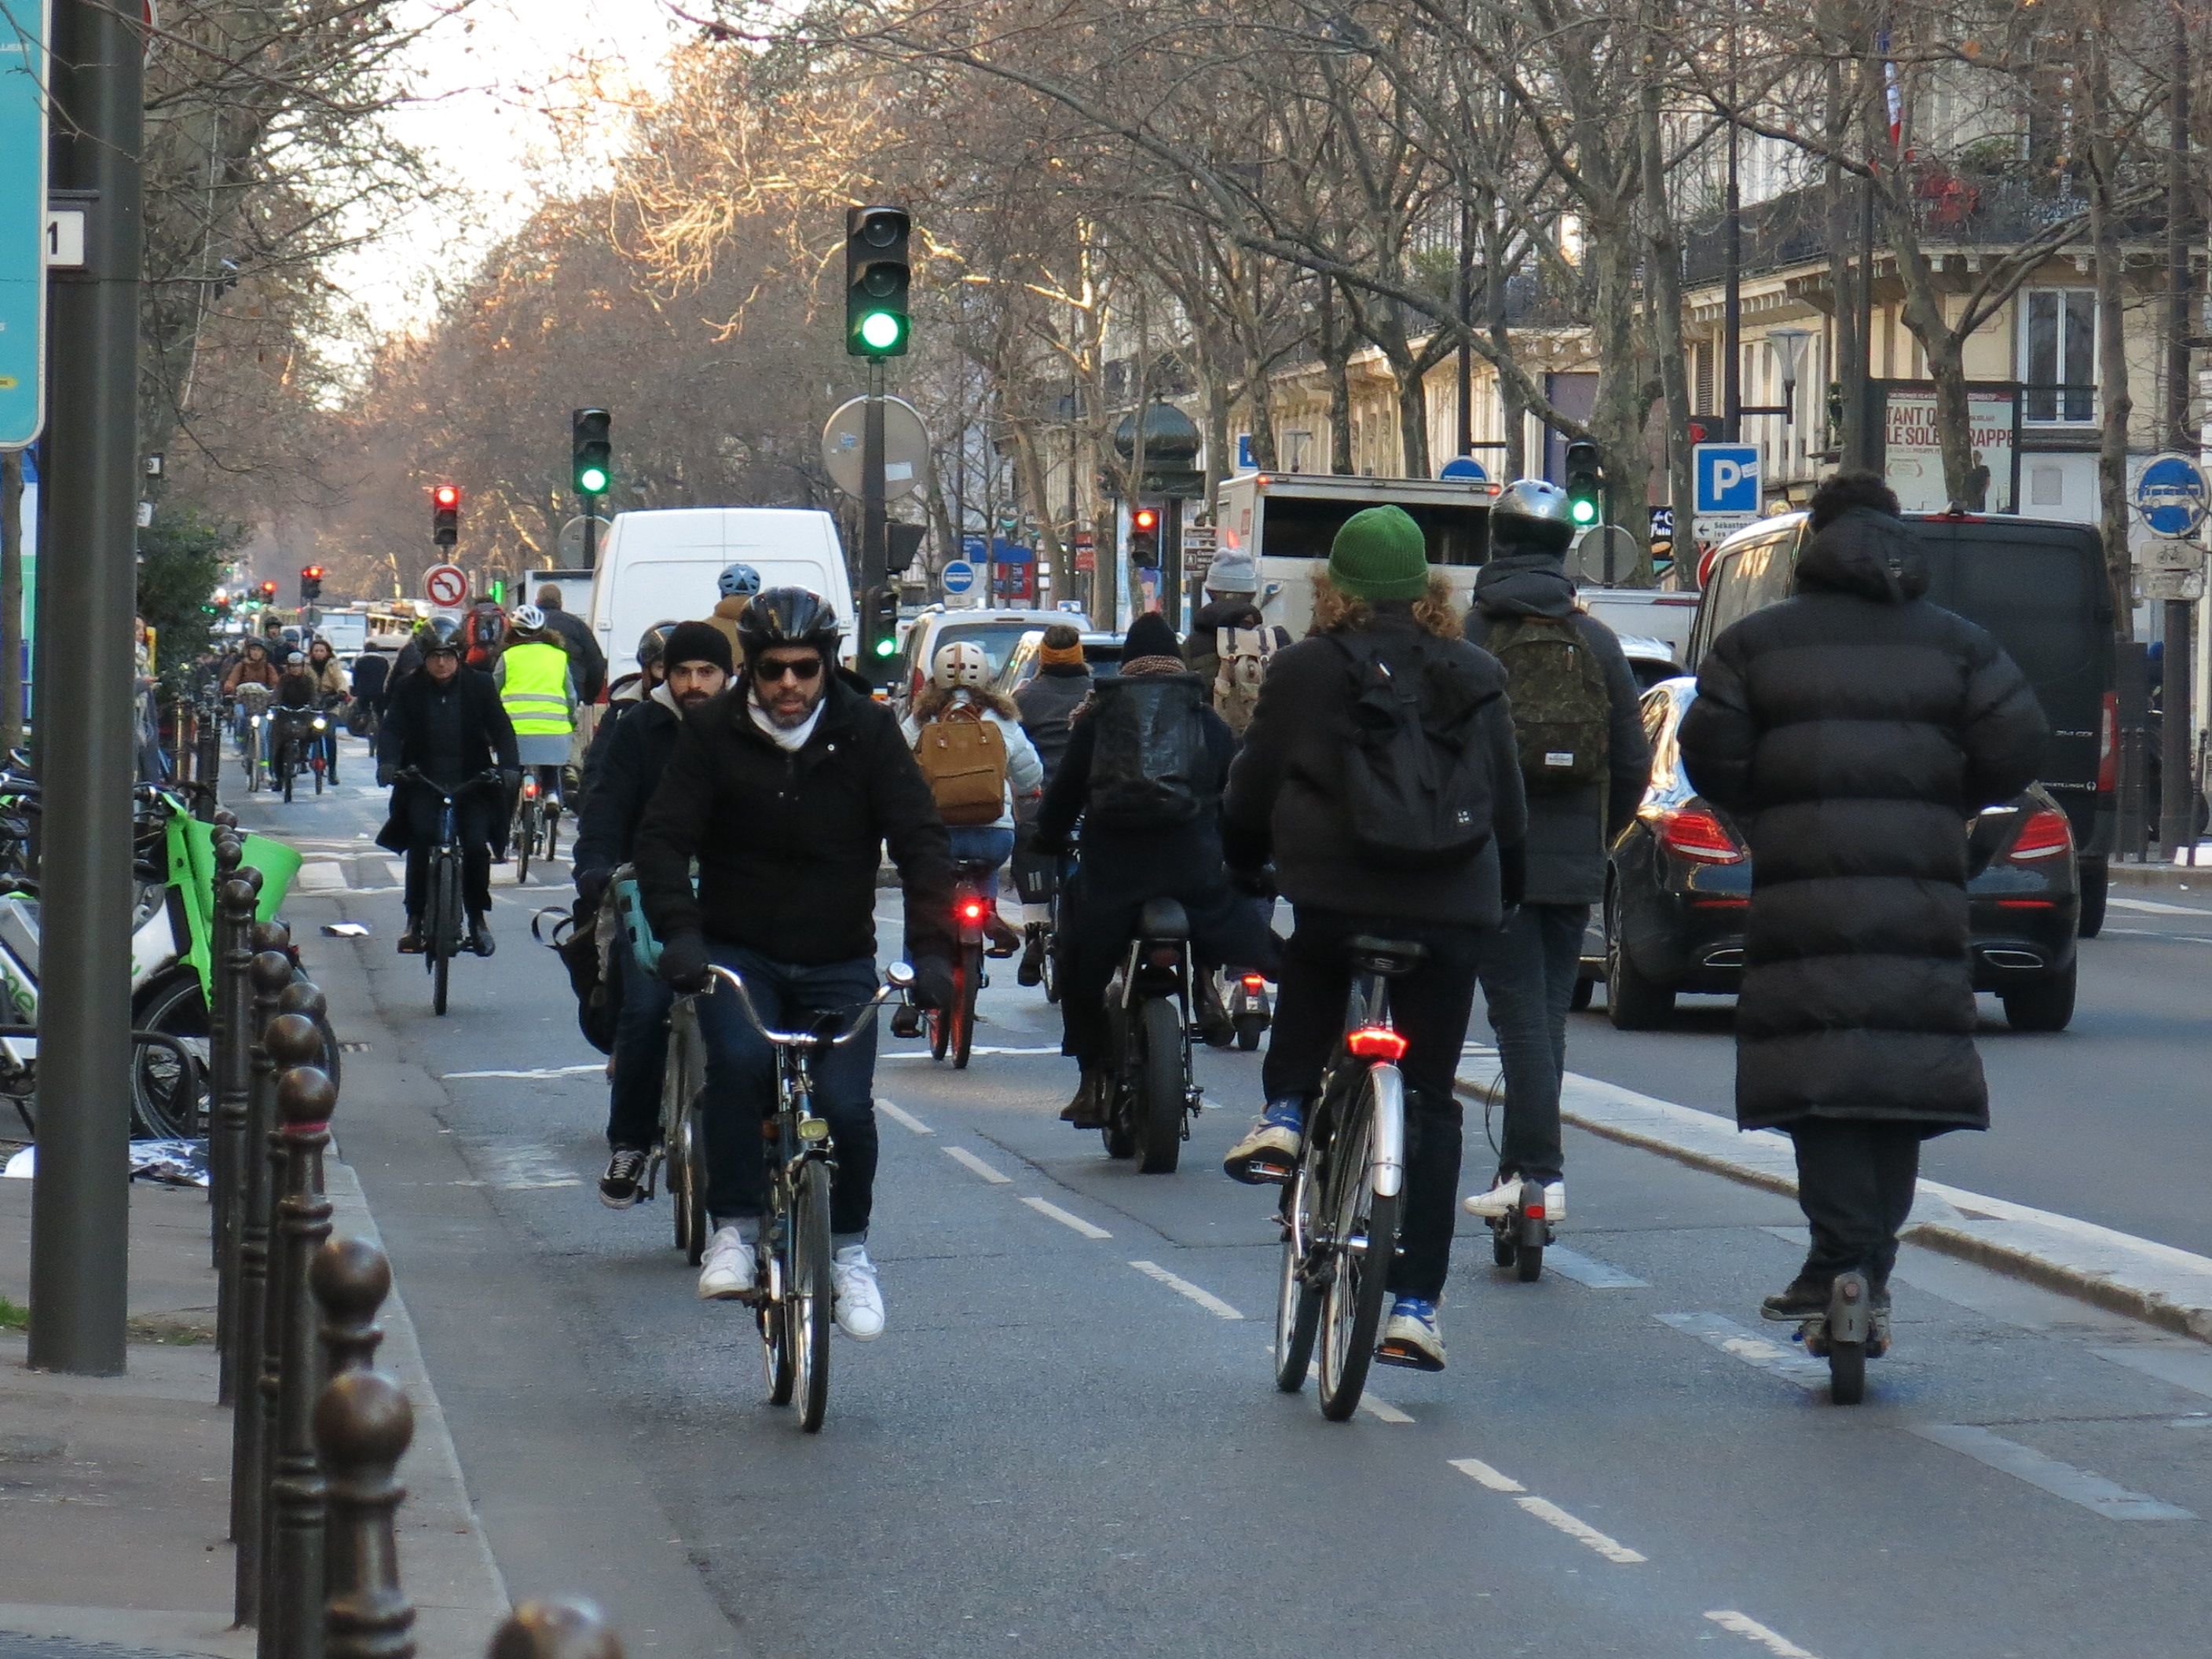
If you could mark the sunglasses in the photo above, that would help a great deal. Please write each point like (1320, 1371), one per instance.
(805, 671)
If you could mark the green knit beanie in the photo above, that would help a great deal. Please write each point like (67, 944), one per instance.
(1379, 554)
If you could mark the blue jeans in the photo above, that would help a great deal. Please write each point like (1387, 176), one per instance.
(1527, 969)
(741, 1083)
(641, 1053)
(985, 844)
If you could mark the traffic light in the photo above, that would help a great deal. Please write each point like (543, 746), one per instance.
(590, 452)
(311, 584)
(1144, 538)
(268, 592)
(901, 544)
(1585, 484)
(445, 515)
(877, 278)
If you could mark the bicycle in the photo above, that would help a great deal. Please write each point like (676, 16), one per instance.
(444, 915)
(1340, 1208)
(792, 1300)
(253, 715)
(1153, 1094)
(297, 747)
(952, 1030)
(537, 831)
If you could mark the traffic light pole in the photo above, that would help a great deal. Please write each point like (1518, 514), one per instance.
(874, 539)
(79, 1199)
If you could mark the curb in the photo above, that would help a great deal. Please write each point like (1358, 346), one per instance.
(2167, 878)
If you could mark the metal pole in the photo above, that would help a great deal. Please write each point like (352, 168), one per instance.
(1732, 295)
(1466, 298)
(591, 532)
(79, 1205)
(875, 553)
(2178, 747)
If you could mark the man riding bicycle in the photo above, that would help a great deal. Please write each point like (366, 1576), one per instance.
(537, 684)
(786, 789)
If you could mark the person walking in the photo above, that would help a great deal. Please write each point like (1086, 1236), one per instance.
(1851, 731)
(1230, 644)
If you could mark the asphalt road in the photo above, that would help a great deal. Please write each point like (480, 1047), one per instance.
(1067, 1441)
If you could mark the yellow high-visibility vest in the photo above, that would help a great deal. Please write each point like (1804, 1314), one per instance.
(535, 690)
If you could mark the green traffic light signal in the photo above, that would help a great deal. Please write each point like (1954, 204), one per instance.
(886, 646)
(881, 331)
(592, 481)
(1585, 510)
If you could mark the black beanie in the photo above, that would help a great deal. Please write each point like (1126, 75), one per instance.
(1149, 636)
(697, 641)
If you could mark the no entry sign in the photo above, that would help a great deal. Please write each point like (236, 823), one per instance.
(446, 586)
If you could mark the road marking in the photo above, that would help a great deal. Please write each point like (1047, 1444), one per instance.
(1073, 1223)
(969, 1161)
(1590, 1271)
(1480, 1471)
(1205, 1299)
(1742, 1624)
(1788, 1363)
(320, 877)
(2152, 907)
(396, 869)
(1381, 1410)
(2091, 1491)
(924, 1054)
(900, 1116)
(525, 1167)
(1580, 1531)
(541, 1076)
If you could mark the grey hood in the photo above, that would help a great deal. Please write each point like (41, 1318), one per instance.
(1524, 585)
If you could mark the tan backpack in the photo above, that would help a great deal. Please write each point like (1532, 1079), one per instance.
(1245, 655)
(963, 757)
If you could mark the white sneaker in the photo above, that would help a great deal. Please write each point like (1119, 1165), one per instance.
(859, 1299)
(1500, 1199)
(726, 1274)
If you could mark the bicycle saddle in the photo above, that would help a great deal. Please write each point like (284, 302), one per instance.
(1388, 956)
(1163, 918)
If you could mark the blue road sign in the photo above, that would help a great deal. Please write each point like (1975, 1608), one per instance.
(2171, 496)
(23, 230)
(1245, 461)
(1727, 477)
(958, 576)
(1463, 466)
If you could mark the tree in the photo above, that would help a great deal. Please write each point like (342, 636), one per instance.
(182, 555)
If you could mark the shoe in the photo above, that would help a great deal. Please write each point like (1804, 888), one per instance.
(1031, 970)
(1504, 1197)
(1215, 1028)
(1269, 1151)
(726, 1273)
(1088, 1109)
(480, 939)
(411, 942)
(1005, 941)
(1807, 1298)
(1410, 1336)
(906, 1021)
(859, 1299)
(622, 1184)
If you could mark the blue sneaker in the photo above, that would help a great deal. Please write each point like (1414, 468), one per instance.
(1269, 1151)
(1410, 1336)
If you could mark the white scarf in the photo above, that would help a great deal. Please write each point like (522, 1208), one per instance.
(791, 738)
(666, 698)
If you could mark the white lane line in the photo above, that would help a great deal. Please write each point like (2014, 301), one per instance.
(1381, 1410)
(320, 877)
(1072, 1223)
(1580, 1531)
(1788, 1362)
(1742, 1624)
(903, 1118)
(2091, 1491)
(923, 1054)
(967, 1160)
(1476, 1469)
(540, 1076)
(1590, 1271)
(1205, 1298)
(2152, 907)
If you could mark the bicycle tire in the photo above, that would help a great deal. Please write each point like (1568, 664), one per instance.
(693, 1143)
(178, 1008)
(444, 942)
(776, 1351)
(317, 768)
(553, 832)
(940, 1020)
(1159, 1094)
(809, 1297)
(1351, 1311)
(1297, 1303)
(1048, 965)
(525, 837)
(971, 985)
(288, 769)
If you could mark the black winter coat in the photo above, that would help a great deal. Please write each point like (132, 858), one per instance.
(412, 737)
(1852, 730)
(583, 653)
(788, 843)
(1286, 789)
(620, 777)
(1046, 702)
(1570, 829)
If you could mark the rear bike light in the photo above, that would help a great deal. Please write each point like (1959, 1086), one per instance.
(1255, 982)
(1697, 836)
(530, 789)
(2108, 745)
(971, 910)
(2045, 835)
(1375, 1043)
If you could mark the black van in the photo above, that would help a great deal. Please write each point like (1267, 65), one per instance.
(2039, 587)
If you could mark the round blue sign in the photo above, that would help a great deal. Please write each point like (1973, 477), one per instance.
(1463, 466)
(958, 576)
(2171, 496)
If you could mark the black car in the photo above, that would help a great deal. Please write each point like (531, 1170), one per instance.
(1679, 888)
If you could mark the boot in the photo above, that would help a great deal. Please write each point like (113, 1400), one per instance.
(1088, 1109)
(1031, 970)
(1005, 941)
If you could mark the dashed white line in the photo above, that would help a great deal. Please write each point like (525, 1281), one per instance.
(1381, 1410)
(1205, 1298)
(1548, 1512)
(1589, 1271)
(542, 1075)
(967, 1160)
(1072, 1223)
(1742, 1624)
(1733, 1340)
(316, 875)
(1495, 1479)
(903, 1118)
(924, 1054)
(2091, 1491)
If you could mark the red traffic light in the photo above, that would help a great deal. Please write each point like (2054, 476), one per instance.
(447, 495)
(313, 573)
(269, 590)
(1144, 518)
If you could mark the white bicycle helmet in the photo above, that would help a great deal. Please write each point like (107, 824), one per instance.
(529, 618)
(961, 664)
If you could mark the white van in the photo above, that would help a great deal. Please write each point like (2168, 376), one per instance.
(658, 565)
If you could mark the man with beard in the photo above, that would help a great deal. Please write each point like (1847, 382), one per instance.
(625, 771)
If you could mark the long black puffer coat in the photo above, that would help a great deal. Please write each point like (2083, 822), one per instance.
(1852, 730)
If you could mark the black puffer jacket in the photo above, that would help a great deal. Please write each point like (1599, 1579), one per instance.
(1046, 702)
(1852, 730)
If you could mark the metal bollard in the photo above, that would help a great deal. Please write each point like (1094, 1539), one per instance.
(565, 1628)
(292, 1579)
(349, 1278)
(232, 1075)
(223, 940)
(271, 972)
(228, 851)
(363, 1425)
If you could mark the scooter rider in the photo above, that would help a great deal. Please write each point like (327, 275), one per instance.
(625, 770)
(1585, 761)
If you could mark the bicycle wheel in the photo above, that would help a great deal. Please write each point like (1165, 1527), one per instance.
(525, 837)
(941, 1020)
(317, 768)
(808, 1297)
(444, 940)
(251, 749)
(1048, 961)
(162, 1098)
(552, 831)
(1297, 1302)
(1158, 1115)
(1363, 1235)
(287, 767)
(971, 982)
(691, 1152)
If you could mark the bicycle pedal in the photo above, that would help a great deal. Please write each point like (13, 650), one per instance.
(1412, 1359)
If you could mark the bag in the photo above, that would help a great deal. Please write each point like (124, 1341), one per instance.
(963, 757)
(356, 719)
(1417, 783)
(1245, 654)
(1149, 765)
(1562, 714)
(578, 940)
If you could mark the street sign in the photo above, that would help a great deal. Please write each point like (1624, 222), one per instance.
(572, 541)
(1245, 461)
(1727, 478)
(1604, 554)
(2171, 496)
(24, 230)
(1713, 528)
(1463, 466)
(445, 585)
(906, 447)
(65, 239)
(1662, 524)
(2170, 569)
(958, 576)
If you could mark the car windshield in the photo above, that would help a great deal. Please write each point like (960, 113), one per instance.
(997, 639)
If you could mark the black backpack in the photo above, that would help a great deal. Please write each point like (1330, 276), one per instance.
(1416, 777)
(1150, 768)
(575, 938)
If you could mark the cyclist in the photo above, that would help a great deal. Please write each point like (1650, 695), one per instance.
(583, 653)
(371, 676)
(1061, 686)
(625, 769)
(1230, 620)
(785, 789)
(252, 667)
(1382, 620)
(333, 688)
(628, 696)
(738, 585)
(445, 722)
(538, 688)
(959, 698)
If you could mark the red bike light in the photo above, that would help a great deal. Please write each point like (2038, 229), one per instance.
(1255, 982)
(1376, 1043)
(971, 910)
(530, 789)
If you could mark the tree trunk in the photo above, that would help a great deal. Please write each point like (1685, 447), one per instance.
(11, 600)
(1847, 367)
(1512, 410)
(1665, 288)
(1617, 419)
(2114, 402)
(1412, 418)
(1336, 356)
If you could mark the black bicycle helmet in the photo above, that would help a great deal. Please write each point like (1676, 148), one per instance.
(439, 634)
(652, 644)
(787, 616)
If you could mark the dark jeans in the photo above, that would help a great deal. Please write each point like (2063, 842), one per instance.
(641, 1053)
(1855, 1181)
(1225, 926)
(1527, 971)
(474, 813)
(741, 1082)
(1429, 1007)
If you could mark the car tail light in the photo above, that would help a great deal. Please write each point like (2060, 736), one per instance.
(1376, 1043)
(2108, 745)
(1697, 836)
(1255, 982)
(2045, 835)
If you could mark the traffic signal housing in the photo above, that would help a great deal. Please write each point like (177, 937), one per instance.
(591, 451)
(877, 279)
(268, 592)
(445, 515)
(1144, 538)
(311, 584)
(1585, 484)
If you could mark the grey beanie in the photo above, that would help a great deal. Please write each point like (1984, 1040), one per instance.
(1232, 573)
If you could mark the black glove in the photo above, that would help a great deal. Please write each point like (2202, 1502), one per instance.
(591, 889)
(932, 983)
(387, 775)
(683, 962)
(1512, 875)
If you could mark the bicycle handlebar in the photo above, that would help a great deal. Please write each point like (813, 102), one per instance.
(899, 976)
(481, 780)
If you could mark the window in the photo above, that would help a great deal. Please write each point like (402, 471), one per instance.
(2059, 355)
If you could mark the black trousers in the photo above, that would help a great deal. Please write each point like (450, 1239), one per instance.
(1855, 1181)
(474, 812)
(1429, 1007)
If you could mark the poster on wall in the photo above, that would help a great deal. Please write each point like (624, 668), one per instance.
(1913, 450)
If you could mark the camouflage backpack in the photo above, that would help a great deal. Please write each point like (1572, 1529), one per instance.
(1562, 716)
